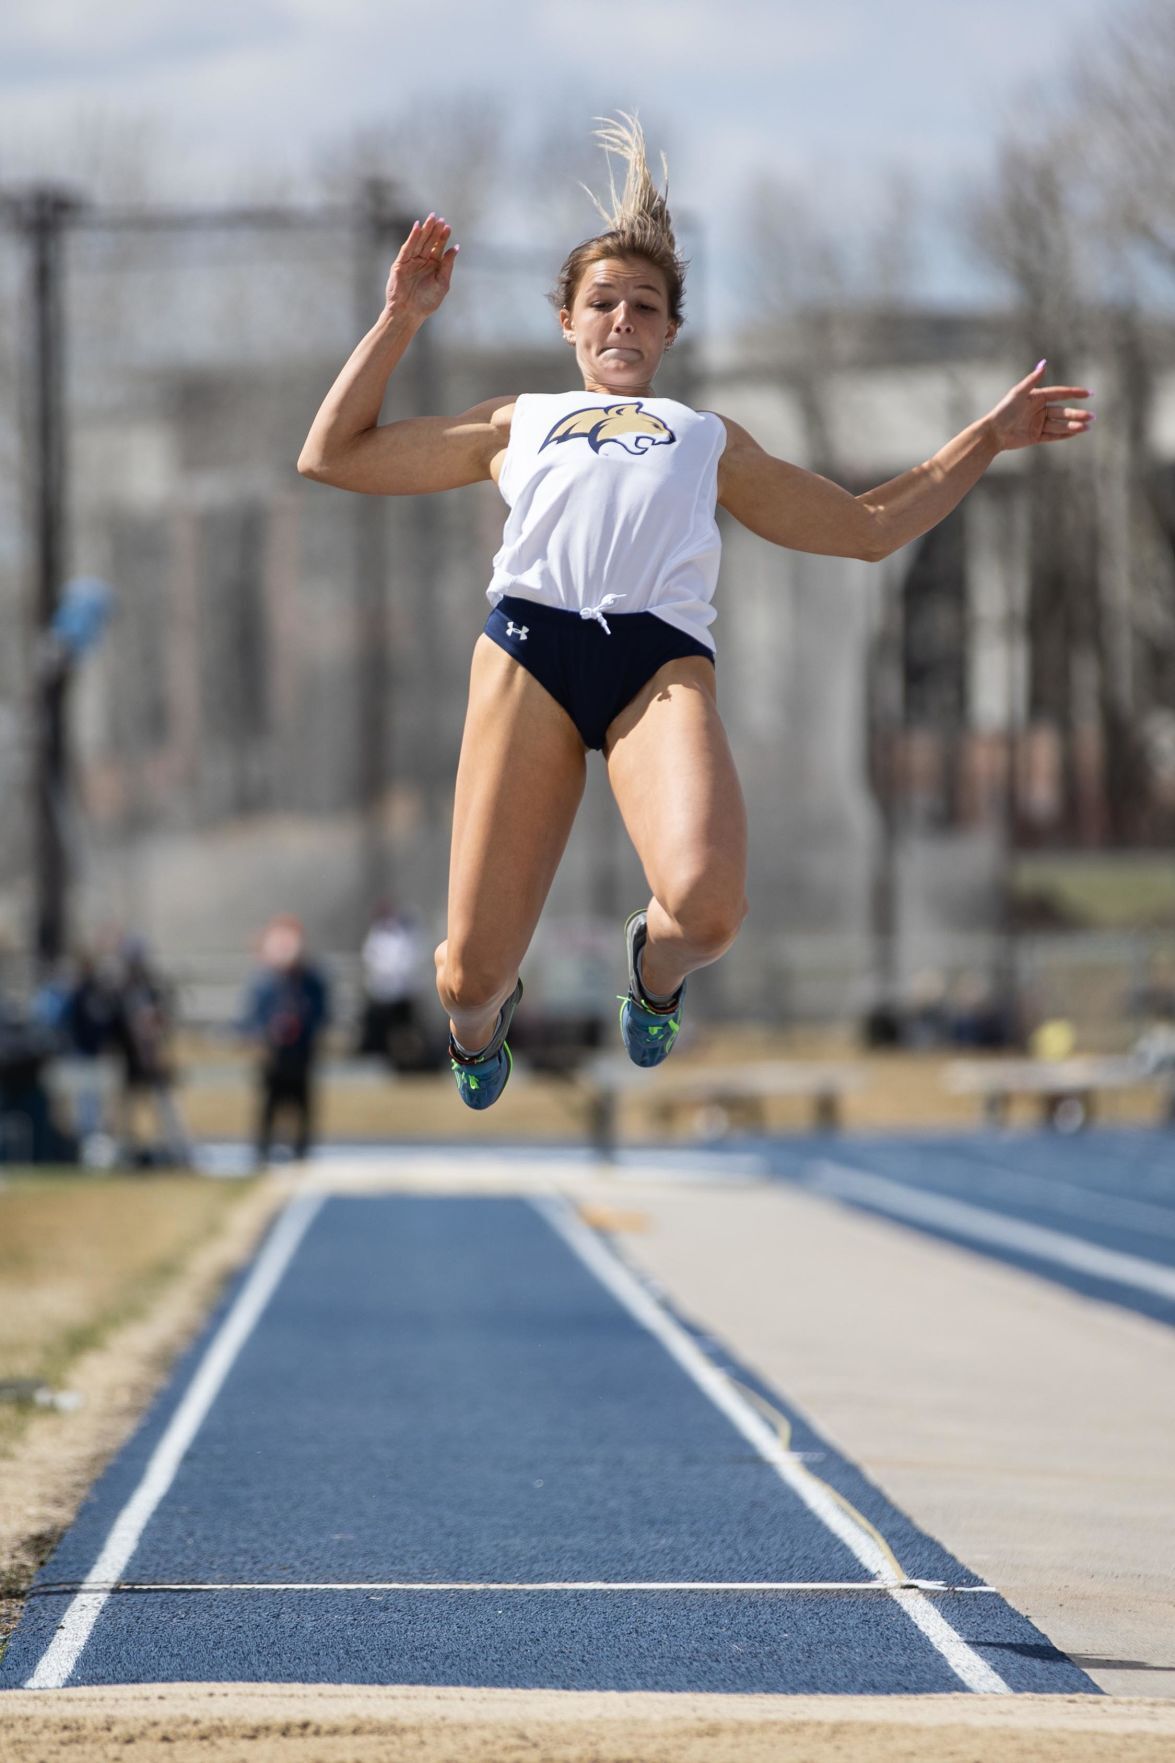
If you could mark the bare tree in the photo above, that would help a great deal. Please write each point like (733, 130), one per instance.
(1120, 88)
(1078, 202)
(445, 154)
(826, 290)
(1026, 224)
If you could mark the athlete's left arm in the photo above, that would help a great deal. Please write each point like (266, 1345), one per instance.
(806, 512)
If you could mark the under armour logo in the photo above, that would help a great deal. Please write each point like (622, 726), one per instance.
(516, 630)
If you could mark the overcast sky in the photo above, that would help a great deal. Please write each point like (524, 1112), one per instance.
(838, 91)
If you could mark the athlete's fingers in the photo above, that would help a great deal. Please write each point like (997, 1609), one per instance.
(426, 243)
(411, 246)
(433, 239)
(1062, 430)
(420, 236)
(1049, 392)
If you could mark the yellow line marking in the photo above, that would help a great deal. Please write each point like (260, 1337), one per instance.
(783, 1427)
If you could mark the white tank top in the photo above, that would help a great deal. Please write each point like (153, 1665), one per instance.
(612, 507)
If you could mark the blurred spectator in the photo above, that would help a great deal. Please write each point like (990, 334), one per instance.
(29, 1132)
(142, 1028)
(968, 1013)
(50, 1002)
(88, 1033)
(881, 1025)
(976, 1018)
(926, 1022)
(392, 956)
(287, 1008)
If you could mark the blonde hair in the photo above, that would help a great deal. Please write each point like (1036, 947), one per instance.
(637, 222)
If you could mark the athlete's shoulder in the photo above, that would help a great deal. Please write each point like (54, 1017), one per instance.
(737, 437)
(497, 411)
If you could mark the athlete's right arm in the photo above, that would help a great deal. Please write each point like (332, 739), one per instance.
(348, 447)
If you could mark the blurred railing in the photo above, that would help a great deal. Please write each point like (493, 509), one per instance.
(1103, 982)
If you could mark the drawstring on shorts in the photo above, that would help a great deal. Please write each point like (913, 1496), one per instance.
(597, 612)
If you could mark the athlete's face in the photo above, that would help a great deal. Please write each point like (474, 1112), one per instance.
(619, 324)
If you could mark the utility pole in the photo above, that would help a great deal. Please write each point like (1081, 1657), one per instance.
(42, 214)
(377, 222)
(885, 739)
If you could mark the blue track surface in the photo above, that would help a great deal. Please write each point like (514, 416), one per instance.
(439, 1390)
(1112, 1192)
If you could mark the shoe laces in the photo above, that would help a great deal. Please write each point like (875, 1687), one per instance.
(657, 1028)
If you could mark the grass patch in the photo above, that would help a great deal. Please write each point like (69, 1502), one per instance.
(80, 1255)
(1103, 890)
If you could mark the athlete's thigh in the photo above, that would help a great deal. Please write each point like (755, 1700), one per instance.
(520, 779)
(673, 776)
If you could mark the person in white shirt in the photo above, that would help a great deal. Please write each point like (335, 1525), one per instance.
(391, 958)
(601, 604)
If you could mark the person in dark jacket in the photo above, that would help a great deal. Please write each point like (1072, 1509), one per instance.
(90, 1027)
(142, 1033)
(287, 1009)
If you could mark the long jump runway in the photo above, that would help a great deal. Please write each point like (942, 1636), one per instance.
(456, 1441)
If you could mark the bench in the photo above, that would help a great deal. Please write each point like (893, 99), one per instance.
(1065, 1088)
(742, 1092)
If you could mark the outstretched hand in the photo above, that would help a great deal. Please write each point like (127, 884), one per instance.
(420, 276)
(1026, 415)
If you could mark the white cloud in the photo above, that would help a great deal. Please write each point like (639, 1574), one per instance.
(643, 44)
(64, 42)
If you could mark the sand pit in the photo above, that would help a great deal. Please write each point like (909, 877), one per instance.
(297, 1723)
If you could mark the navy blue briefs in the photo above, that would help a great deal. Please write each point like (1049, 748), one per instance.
(591, 673)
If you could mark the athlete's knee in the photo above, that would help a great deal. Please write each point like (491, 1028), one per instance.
(708, 920)
(466, 983)
(721, 925)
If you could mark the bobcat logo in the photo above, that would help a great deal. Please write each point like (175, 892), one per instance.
(629, 425)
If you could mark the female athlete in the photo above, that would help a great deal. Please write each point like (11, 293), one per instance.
(601, 601)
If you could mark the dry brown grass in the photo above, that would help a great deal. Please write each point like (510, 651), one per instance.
(80, 1255)
(903, 1091)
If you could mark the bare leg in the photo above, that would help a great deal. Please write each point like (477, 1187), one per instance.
(673, 776)
(519, 783)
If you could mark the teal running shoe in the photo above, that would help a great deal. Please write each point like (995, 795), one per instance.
(648, 1033)
(480, 1081)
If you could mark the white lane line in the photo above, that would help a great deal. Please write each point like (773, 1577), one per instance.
(989, 1180)
(535, 1585)
(983, 1226)
(75, 1627)
(967, 1665)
